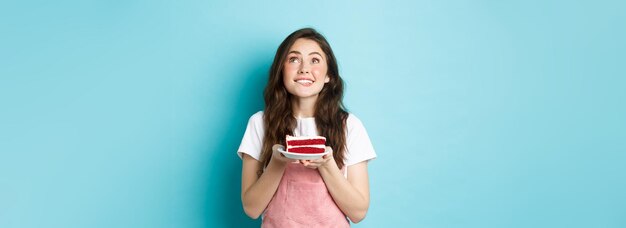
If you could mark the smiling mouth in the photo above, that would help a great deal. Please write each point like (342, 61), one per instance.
(305, 82)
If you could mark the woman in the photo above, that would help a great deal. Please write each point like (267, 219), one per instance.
(303, 97)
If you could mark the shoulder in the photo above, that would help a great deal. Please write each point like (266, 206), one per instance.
(353, 122)
(358, 144)
(256, 121)
(256, 118)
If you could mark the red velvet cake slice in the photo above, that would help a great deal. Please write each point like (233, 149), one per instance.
(306, 144)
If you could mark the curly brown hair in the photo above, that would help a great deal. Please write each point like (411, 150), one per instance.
(330, 113)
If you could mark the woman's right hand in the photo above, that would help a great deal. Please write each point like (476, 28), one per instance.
(278, 156)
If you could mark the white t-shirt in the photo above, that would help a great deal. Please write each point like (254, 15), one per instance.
(358, 144)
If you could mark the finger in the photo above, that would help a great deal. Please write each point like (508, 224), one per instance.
(277, 146)
(317, 161)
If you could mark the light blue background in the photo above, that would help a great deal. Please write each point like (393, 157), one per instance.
(483, 113)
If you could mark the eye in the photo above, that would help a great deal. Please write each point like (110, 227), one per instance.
(315, 60)
(294, 60)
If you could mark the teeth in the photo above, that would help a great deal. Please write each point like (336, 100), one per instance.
(304, 81)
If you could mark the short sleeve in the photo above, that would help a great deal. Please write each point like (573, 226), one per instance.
(252, 140)
(358, 144)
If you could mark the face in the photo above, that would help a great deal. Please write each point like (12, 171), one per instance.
(305, 69)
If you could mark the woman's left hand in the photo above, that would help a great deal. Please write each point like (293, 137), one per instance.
(314, 164)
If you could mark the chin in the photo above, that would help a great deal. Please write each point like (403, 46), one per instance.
(303, 94)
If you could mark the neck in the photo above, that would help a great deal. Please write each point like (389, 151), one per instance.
(304, 107)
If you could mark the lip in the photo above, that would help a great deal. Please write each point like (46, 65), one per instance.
(304, 78)
(304, 84)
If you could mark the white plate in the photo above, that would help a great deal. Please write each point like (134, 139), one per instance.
(299, 156)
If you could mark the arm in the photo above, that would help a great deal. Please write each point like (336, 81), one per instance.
(351, 194)
(257, 191)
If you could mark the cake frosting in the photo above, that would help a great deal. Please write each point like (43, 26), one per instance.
(306, 144)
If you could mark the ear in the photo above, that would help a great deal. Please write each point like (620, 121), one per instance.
(326, 79)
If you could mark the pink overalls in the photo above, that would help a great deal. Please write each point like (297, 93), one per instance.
(302, 200)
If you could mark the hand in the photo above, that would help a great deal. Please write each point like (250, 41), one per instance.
(314, 164)
(278, 156)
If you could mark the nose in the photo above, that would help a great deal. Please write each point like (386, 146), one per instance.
(304, 69)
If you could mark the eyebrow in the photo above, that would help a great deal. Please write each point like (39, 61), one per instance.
(312, 53)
